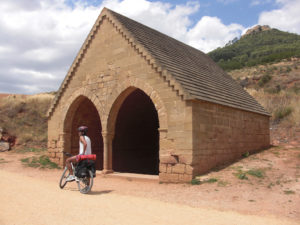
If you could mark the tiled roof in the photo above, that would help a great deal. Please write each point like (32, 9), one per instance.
(196, 74)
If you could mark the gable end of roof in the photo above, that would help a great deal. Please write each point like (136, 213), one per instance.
(107, 14)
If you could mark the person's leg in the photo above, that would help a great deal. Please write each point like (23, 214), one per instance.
(68, 163)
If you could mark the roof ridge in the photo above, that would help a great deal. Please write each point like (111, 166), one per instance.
(149, 57)
(107, 13)
(198, 68)
(75, 63)
(188, 71)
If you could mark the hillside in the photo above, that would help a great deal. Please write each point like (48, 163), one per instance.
(24, 116)
(258, 46)
(276, 86)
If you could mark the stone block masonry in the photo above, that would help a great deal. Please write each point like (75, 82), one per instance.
(103, 83)
(193, 135)
(222, 134)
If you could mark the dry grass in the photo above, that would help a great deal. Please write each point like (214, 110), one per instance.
(25, 117)
(284, 106)
(279, 95)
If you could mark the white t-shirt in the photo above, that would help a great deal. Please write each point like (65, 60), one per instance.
(88, 150)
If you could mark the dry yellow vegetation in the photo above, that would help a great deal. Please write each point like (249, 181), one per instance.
(24, 116)
(276, 87)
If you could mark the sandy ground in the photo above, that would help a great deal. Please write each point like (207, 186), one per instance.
(28, 200)
(32, 196)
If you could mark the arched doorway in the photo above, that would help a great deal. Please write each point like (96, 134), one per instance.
(84, 112)
(136, 141)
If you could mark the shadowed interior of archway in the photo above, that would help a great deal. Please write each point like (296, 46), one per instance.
(86, 114)
(136, 141)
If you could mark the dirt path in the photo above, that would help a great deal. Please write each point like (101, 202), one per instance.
(27, 200)
(275, 196)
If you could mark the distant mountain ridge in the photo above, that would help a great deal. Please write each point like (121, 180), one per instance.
(259, 45)
(256, 29)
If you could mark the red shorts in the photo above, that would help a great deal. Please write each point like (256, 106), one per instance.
(83, 157)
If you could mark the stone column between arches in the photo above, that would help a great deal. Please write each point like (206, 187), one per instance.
(107, 152)
(173, 167)
(82, 109)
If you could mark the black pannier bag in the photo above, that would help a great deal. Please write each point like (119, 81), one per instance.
(83, 167)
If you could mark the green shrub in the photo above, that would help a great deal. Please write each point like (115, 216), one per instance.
(273, 90)
(241, 175)
(24, 150)
(260, 48)
(256, 172)
(195, 182)
(282, 112)
(295, 89)
(41, 162)
(222, 183)
(289, 192)
(264, 79)
(211, 180)
(246, 154)
(3, 161)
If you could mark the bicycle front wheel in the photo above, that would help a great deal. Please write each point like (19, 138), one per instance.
(85, 184)
(63, 179)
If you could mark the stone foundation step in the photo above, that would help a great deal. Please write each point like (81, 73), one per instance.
(130, 176)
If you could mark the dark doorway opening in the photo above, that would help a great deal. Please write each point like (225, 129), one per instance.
(136, 141)
(86, 114)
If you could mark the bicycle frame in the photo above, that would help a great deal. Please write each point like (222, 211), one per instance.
(84, 184)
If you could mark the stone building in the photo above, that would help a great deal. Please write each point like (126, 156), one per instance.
(153, 105)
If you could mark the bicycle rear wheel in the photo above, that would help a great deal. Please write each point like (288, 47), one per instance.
(63, 179)
(85, 184)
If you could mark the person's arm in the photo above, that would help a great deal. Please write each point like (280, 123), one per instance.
(82, 139)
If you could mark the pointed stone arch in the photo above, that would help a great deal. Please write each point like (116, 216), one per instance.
(82, 110)
(122, 91)
(75, 96)
(113, 105)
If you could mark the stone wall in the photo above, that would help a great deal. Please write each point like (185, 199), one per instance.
(109, 67)
(194, 136)
(222, 134)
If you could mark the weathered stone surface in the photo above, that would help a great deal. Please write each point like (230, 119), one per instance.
(163, 168)
(233, 133)
(194, 136)
(178, 168)
(185, 159)
(166, 144)
(166, 177)
(168, 159)
(4, 146)
(189, 169)
(185, 178)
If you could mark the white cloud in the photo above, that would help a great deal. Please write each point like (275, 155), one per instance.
(5, 50)
(169, 19)
(206, 35)
(40, 38)
(226, 1)
(260, 2)
(210, 33)
(33, 74)
(285, 18)
(38, 41)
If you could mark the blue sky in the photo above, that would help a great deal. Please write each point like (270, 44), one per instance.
(40, 38)
(239, 11)
(245, 12)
